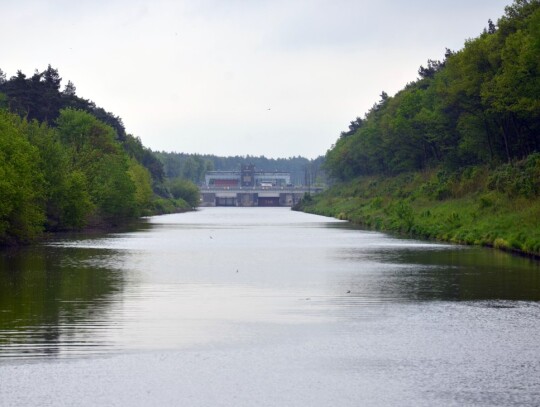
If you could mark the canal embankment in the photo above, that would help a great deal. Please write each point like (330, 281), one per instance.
(478, 206)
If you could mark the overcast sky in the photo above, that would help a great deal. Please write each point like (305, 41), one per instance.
(230, 77)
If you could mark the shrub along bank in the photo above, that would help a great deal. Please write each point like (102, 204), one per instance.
(490, 207)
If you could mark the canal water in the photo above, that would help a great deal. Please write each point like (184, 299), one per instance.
(266, 307)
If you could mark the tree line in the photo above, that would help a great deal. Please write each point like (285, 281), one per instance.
(479, 106)
(66, 164)
(39, 98)
(195, 166)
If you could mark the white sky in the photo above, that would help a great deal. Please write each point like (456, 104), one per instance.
(199, 76)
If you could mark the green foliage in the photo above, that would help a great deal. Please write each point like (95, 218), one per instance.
(143, 186)
(135, 149)
(39, 97)
(21, 185)
(427, 161)
(474, 212)
(518, 179)
(53, 162)
(76, 201)
(87, 137)
(403, 216)
(95, 152)
(480, 105)
(66, 177)
(113, 190)
(4, 102)
(163, 206)
(66, 163)
(306, 201)
(185, 190)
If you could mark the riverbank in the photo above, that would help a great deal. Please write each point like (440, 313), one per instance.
(480, 206)
(96, 225)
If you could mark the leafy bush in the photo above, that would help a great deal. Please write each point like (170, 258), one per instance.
(162, 206)
(186, 190)
(518, 179)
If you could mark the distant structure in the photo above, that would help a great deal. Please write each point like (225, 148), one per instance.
(247, 177)
(249, 187)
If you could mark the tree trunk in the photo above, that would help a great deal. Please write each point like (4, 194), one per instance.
(488, 136)
(505, 138)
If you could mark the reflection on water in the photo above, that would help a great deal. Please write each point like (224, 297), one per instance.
(229, 275)
(52, 299)
(447, 273)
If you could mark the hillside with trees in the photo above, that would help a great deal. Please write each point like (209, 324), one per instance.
(66, 164)
(455, 154)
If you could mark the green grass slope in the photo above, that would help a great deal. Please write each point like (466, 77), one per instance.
(491, 207)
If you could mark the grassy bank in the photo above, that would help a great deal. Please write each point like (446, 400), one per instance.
(490, 207)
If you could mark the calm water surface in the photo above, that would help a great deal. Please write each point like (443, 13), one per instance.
(265, 306)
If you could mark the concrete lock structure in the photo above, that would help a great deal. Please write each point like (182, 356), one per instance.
(247, 177)
(248, 187)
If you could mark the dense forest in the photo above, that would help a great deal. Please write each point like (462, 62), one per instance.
(480, 105)
(455, 155)
(194, 166)
(67, 164)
